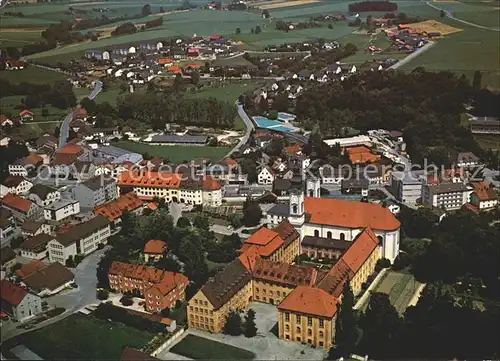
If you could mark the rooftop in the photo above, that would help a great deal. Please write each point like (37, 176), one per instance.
(125, 203)
(155, 246)
(82, 230)
(16, 203)
(150, 179)
(36, 242)
(42, 191)
(11, 293)
(60, 204)
(311, 301)
(50, 277)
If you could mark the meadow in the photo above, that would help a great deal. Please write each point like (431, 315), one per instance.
(32, 74)
(8, 107)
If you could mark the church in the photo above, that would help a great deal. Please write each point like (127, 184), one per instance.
(328, 222)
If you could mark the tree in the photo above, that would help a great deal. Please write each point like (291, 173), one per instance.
(476, 82)
(102, 294)
(346, 333)
(252, 213)
(183, 222)
(126, 300)
(170, 264)
(89, 105)
(233, 324)
(258, 30)
(195, 78)
(16, 242)
(177, 82)
(252, 31)
(69, 262)
(330, 26)
(146, 10)
(201, 222)
(238, 31)
(250, 326)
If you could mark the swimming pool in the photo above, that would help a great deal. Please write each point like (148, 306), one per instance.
(286, 117)
(263, 122)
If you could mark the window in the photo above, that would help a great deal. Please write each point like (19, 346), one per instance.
(299, 330)
(321, 343)
(298, 339)
(287, 328)
(297, 318)
(316, 233)
(321, 334)
(329, 234)
(342, 236)
(287, 316)
(309, 332)
(309, 321)
(321, 323)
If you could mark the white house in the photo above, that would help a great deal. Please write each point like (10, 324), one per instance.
(61, 209)
(18, 302)
(265, 176)
(35, 247)
(43, 195)
(82, 239)
(17, 185)
(32, 228)
(447, 196)
(483, 197)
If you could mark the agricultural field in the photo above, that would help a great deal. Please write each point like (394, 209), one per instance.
(19, 37)
(32, 74)
(174, 153)
(226, 91)
(103, 339)
(481, 13)
(8, 107)
(363, 41)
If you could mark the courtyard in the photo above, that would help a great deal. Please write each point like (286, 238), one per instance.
(266, 345)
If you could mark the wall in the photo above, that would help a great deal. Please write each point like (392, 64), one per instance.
(175, 336)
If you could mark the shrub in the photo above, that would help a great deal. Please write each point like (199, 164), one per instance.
(126, 300)
(102, 295)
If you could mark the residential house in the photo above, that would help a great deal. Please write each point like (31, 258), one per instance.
(7, 225)
(7, 258)
(26, 116)
(43, 195)
(266, 176)
(49, 280)
(25, 166)
(484, 196)
(161, 289)
(113, 210)
(95, 192)
(154, 250)
(467, 160)
(82, 239)
(31, 228)
(21, 208)
(485, 125)
(17, 185)
(35, 247)
(18, 302)
(5, 122)
(61, 210)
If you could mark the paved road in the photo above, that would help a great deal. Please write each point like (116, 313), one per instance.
(413, 55)
(64, 133)
(451, 16)
(248, 124)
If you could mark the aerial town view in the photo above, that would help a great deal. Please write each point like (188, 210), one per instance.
(259, 180)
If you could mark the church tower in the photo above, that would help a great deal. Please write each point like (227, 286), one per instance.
(296, 210)
(313, 187)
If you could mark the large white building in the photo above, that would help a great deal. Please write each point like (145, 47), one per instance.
(447, 196)
(82, 239)
(61, 209)
(172, 187)
(334, 219)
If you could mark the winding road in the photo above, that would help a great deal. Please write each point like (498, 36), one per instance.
(249, 127)
(64, 133)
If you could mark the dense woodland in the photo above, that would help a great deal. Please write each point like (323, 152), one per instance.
(425, 105)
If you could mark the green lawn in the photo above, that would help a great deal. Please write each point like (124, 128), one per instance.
(8, 104)
(32, 74)
(175, 153)
(400, 287)
(227, 91)
(201, 348)
(21, 38)
(488, 141)
(84, 337)
(363, 41)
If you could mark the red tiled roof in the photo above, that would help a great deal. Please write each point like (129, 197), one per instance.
(164, 61)
(342, 213)
(69, 148)
(25, 112)
(292, 149)
(362, 247)
(30, 268)
(15, 202)
(12, 293)
(33, 159)
(483, 191)
(150, 179)
(114, 209)
(284, 273)
(169, 282)
(311, 301)
(210, 184)
(267, 242)
(361, 154)
(174, 69)
(155, 246)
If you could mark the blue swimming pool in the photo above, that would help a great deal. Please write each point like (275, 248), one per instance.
(286, 116)
(263, 122)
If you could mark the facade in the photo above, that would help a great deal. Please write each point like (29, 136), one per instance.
(485, 125)
(265, 176)
(448, 196)
(95, 192)
(32, 228)
(407, 186)
(6, 223)
(171, 187)
(81, 239)
(17, 185)
(25, 166)
(7, 258)
(43, 195)
(324, 248)
(161, 289)
(18, 302)
(36, 247)
(61, 210)
(467, 160)
(154, 250)
(483, 197)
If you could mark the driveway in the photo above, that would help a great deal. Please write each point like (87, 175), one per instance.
(266, 345)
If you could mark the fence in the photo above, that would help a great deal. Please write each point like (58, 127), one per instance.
(175, 336)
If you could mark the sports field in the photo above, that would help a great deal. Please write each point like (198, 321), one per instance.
(174, 153)
(400, 287)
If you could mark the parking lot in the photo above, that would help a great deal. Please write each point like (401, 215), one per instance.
(266, 345)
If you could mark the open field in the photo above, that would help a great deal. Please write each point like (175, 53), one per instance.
(481, 13)
(174, 153)
(197, 348)
(284, 4)
(17, 37)
(435, 26)
(363, 41)
(400, 287)
(227, 91)
(102, 340)
(488, 141)
(8, 107)
(464, 52)
(32, 74)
